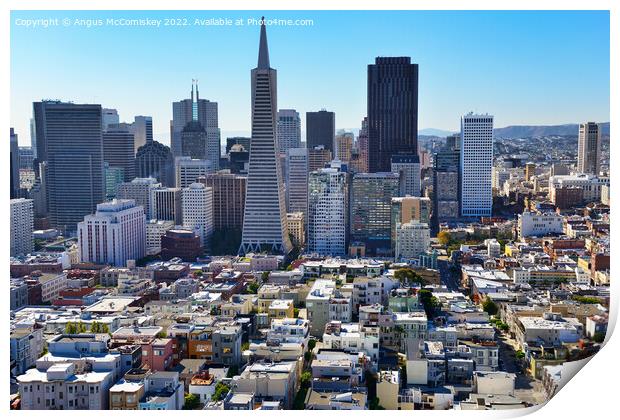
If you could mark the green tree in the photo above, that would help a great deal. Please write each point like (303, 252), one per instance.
(306, 378)
(599, 337)
(245, 346)
(253, 288)
(311, 344)
(95, 327)
(81, 328)
(70, 328)
(444, 238)
(221, 390)
(489, 306)
(429, 302)
(265, 276)
(192, 402)
(407, 275)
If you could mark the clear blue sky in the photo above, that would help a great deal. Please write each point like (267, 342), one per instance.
(548, 67)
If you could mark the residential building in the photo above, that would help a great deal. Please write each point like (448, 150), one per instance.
(296, 228)
(408, 166)
(22, 223)
(412, 239)
(197, 210)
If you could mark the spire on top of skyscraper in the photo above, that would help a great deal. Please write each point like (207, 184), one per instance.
(263, 50)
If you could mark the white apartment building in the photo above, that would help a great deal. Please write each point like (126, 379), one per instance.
(197, 210)
(318, 305)
(408, 166)
(155, 229)
(412, 239)
(114, 234)
(327, 212)
(139, 190)
(476, 165)
(188, 170)
(289, 330)
(494, 248)
(51, 285)
(352, 337)
(22, 223)
(535, 224)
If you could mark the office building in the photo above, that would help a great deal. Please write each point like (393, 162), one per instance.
(392, 110)
(181, 243)
(228, 199)
(408, 209)
(197, 203)
(320, 129)
(199, 110)
(188, 170)
(296, 228)
(359, 158)
(412, 239)
(113, 178)
(327, 212)
(476, 165)
(26, 157)
(344, 146)
(118, 149)
(109, 117)
(155, 229)
(264, 222)
(139, 190)
(370, 210)
(194, 141)
(14, 165)
(318, 157)
(408, 167)
(166, 204)
(69, 140)
(446, 183)
(22, 224)
(289, 130)
(154, 160)
(142, 129)
(297, 180)
(589, 148)
(114, 234)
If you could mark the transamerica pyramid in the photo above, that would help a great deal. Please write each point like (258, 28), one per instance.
(264, 220)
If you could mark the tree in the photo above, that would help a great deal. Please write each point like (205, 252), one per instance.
(429, 302)
(70, 328)
(221, 390)
(253, 288)
(81, 328)
(489, 306)
(245, 346)
(306, 378)
(444, 238)
(311, 344)
(95, 327)
(407, 275)
(192, 402)
(599, 337)
(265, 276)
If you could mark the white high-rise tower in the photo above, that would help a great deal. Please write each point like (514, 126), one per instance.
(476, 165)
(264, 222)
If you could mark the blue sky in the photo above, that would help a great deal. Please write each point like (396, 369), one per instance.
(538, 67)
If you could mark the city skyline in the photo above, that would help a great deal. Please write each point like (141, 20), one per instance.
(536, 86)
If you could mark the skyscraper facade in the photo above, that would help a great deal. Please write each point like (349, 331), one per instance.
(297, 180)
(118, 149)
(327, 212)
(197, 203)
(320, 129)
(392, 110)
(203, 111)
(114, 234)
(22, 223)
(14, 164)
(344, 146)
(166, 204)
(139, 190)
(264, 222)
(370, 208)
(318, 157)
(359, 161)
(408, 167)
(476, 161)
(228, 199)
(194, 141)
(289, 130)
(142, 128)
(589, 148)
(154, 160)
(188, 171)
(446, 184)
(109, 116)
(69, 139)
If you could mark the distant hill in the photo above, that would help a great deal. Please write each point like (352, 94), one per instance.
(542, 130)
(434, 132)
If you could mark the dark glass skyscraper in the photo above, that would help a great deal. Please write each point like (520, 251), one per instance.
(320, 129)
(69, 139)
(154, 160)
(392, 110)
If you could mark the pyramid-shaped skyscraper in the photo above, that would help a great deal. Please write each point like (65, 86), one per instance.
(264, 221)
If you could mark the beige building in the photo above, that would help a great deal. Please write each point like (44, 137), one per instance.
(295, 222)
